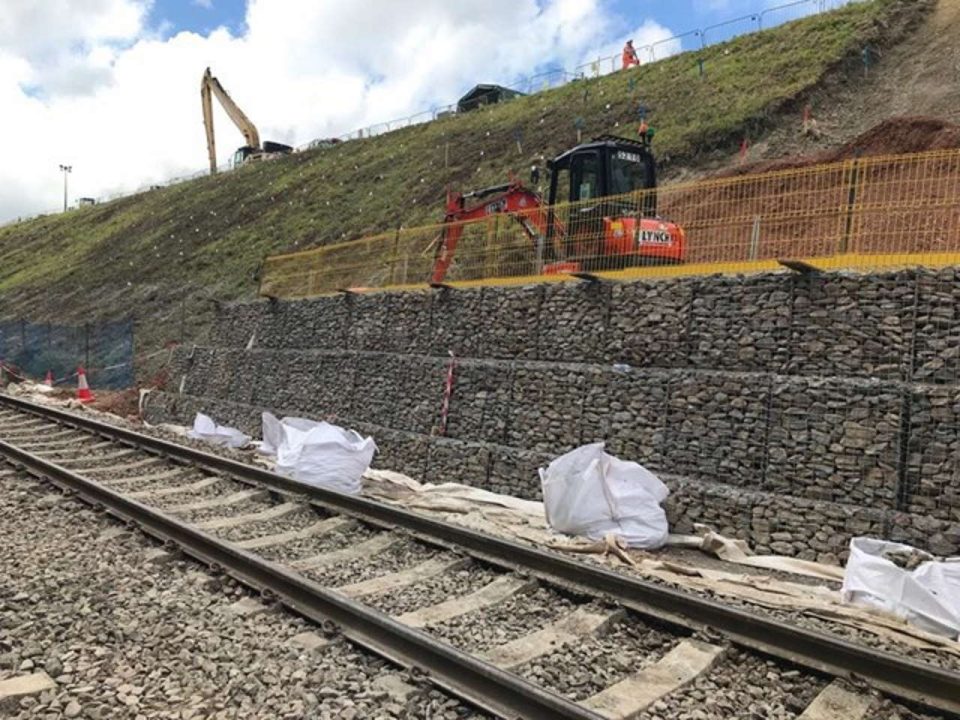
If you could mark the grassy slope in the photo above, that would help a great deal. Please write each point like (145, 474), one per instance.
(206, 237)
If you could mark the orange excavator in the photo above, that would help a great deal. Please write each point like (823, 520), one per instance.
(613, 223)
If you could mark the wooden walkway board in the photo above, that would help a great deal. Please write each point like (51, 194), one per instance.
(320, 527)
(268, 514)
(32, 684)
(164, 492)
(151, 477)
(125, 467)
(222, 501)
(370, 546)
(401, 579)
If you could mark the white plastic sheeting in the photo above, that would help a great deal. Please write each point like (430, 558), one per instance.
(927, 596)
(204, 428)
(590, 493)
(318, 453)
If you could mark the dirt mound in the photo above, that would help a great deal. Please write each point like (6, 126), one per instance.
(900, 135)
(894, 136)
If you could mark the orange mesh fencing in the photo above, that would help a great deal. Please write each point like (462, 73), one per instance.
(862, 214)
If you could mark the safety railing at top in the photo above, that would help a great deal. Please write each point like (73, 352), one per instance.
(552, 78)
(864, 214)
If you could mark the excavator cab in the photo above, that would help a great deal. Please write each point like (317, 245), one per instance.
(269, 149)
(603, 168)
(612, 184)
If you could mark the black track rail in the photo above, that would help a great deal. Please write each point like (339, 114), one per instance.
(897, 676)
(486, 686)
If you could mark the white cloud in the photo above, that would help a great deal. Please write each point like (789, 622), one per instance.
(95, 88)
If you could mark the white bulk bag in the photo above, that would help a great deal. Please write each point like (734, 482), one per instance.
(204, 428)
(592, 494)
(318, 453)
(927, 596)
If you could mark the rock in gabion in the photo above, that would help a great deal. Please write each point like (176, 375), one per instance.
(546, 407)
(483, 400)
(738, 323)
(716, 426)
(933, 455)
(793, 411)
(451, 460)
(936, 336)
(458, 322)
(573, 321)
(512, 327)
(833, 439)
(629, 411)
(843, 325)
(236, 323)
(649, 324)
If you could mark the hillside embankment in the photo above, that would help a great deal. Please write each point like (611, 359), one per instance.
(168, 255)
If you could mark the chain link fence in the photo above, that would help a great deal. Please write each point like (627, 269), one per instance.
(105, 350)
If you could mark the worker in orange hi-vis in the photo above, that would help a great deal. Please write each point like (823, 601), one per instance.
(629, 55)
(644, 131)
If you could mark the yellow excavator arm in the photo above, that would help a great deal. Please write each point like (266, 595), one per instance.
(211, 86)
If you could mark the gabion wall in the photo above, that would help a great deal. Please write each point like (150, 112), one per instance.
(793, 411)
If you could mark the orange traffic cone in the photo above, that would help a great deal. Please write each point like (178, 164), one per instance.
(83, 390)
(49, 381)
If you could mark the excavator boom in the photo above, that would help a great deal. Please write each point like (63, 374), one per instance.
(512, 199)
(209, 87)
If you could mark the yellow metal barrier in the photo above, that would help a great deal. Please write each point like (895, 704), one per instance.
(863, 214)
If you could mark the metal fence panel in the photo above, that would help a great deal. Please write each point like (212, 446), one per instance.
(861, 214)
(105, 350)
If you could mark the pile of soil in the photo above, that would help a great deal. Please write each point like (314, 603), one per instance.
(894, 136)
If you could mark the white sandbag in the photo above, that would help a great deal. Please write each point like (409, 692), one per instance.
(318, 453)
(204, 428)
(589, 493)
(927, 596)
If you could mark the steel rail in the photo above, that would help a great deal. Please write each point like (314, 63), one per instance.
(482, 684)
(897, 676)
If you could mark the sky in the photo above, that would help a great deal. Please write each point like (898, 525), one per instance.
(111, 87)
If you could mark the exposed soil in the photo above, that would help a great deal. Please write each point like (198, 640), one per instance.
(917, 80)
(893, 136)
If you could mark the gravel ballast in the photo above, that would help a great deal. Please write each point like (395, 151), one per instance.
(506, 621)
(127, 639)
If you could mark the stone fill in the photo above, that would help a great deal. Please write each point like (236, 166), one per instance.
(793, 411)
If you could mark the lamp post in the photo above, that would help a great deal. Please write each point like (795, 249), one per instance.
(66, 169)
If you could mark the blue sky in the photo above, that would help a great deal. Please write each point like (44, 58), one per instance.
(200, 16)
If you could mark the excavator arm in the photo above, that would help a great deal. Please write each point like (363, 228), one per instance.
(210, 86)
(513, 199)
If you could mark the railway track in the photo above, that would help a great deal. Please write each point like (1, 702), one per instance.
(515, 630)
